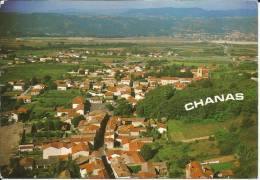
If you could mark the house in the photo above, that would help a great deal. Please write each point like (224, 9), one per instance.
(80, 149)
(168, 80)
(90, 129)
(19, 114)
(96, 100)
(77, 101)
(119, 168)
(113, 123)
(109, 142)
(162, 128)
(27, 163)
(138, 90)
(61, 87)
(194, 170)
(153, 81)
(137, 144)
(132, 158)
(139, 97)
(96, 117)
(35, 92)
(25, 99)
(19, 86)
(85, 85)
(80, 109)
(26, 148)
(39, 86)
(135, 121)
(156, 168)
(125, 81)
(56, 149)
(203, 72)
(146, 175)
(126, 95)
(132, 101)
(109, 97)
(179, 86)
(94, 168)
(98, 86)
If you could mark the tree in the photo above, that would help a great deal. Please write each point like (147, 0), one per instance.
(33, 129)
(33, 81)
(147, 152)
(227, 141)
(75, 121)
(248, 162)
(23, 138)
(87, 106)
(247, 122)
(69, 165)
(109, 107)
(3, 121)
(17, 170)
(123, 107)
(46, 79)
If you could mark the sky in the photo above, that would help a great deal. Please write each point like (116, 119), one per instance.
(121, 5)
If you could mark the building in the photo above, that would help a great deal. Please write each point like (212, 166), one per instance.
(96, 100)
(168, 80)
(19, 86)
(56, 149)
(25, 99)
(194, 170)
(119, 168)
(80, 149)
(203, 72)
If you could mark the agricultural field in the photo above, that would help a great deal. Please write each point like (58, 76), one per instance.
(27, 71)
(179, 130)
(47, 102)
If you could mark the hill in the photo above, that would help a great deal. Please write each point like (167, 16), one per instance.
(190, 12)
(48, 24)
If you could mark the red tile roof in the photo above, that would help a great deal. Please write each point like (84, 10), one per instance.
(78, 100)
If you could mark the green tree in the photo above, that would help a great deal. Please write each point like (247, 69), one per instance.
(33, 129)
(148, 152)
(75, 121)
(123, 107)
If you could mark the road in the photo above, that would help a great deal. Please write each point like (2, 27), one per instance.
(196, 139)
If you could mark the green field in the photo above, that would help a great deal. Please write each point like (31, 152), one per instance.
(51, 99)
(222, 166)
(179, 130)
(27, 71)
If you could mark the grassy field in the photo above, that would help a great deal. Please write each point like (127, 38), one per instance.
(204, 149)
(179, 130)
(222, 166)
(51, 99)
(27, 71)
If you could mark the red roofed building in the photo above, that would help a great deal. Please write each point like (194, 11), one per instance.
(77, 101)
(195, 170)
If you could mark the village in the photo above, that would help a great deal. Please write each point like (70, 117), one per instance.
(104, 144)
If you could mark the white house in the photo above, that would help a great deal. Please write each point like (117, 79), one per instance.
(162, 128)
(168, 80)
(56, 149)
(18, 87)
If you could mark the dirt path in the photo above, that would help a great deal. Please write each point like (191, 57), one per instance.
(197, 139)
(9, 140)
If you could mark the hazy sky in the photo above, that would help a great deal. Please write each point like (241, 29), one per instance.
(122, 5)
